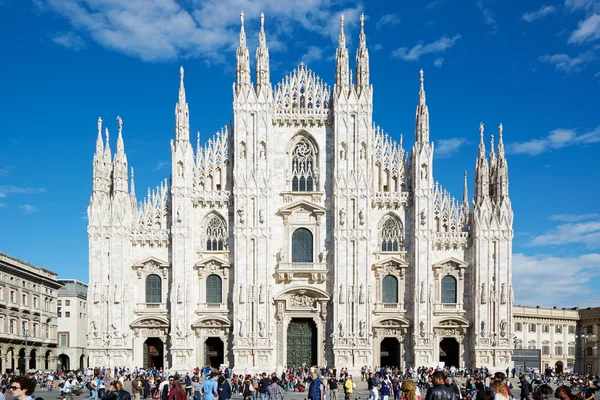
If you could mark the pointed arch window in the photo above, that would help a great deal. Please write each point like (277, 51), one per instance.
(303, 166)
(216, 234)
(390, 235)
(302, 245)
(214, 289)
(153, 289)
(449, 290)
(389, 293)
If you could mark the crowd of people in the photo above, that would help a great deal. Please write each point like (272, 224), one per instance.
(317, 384)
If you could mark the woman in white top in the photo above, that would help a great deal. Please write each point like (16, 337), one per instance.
(500, 391)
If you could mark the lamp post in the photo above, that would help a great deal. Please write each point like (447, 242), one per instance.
(597, 348)
(584, 338)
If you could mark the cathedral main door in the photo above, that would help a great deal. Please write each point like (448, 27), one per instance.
(301, 342)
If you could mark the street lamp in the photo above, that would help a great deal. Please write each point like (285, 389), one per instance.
(584, 338)
(597, 348)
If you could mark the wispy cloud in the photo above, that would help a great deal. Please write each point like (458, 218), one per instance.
(587, 30)
(448, 147)
(388, 19)
(539, 14)
(171, 29)
(566, 63)
(70, 40)
(160, 165)
(536, 276)
(2, 205)
(488, 17)
(377, 47)
(28, 208)
(313, 54)
(438, 62)
(439, 46)
(4, 171)
(556, 139)
(585, 231)
(573, 217)
(11, 189)
(433, 4)
(574, 5)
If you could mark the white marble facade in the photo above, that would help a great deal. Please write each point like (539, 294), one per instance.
(303, 211)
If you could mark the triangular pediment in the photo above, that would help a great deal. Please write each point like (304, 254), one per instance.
(212, 260)
(302, 204)
(151, 261)
(451, 260)
(391, 260)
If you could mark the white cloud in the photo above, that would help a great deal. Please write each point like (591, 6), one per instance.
(587, 233)
(581, 4)
(28, 208)
(313, 54)
(438, 62)
(587, 30)
(388, 19)
(539, 14)
(70, 40)
(573, 217)
(160, 166)
(10, 189)
(566, 278)
(158, 30)
(439, 46)
(488, 17)
(556, 139)
(433, 4)
(377, 47)
(566, 63)
(448, 147)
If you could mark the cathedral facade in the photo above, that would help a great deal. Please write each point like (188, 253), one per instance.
(299, 234)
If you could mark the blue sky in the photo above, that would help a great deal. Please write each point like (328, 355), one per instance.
(532, 65)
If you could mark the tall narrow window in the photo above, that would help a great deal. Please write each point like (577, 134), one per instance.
(448, 289)
(303, 166)
(302, 245)
(216, 234)
(389, 293)
(390, 235)
(214, 289)
(153, 289)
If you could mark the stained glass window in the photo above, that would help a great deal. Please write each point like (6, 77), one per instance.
(448, 289)
(214, 289)
(302, 245)
(153, 289)
(389, 289)
(303, 163)
(216, 234)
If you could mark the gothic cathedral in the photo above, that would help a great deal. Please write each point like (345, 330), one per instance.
(300, 234)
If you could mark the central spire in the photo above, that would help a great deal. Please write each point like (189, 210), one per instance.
(342, 68)
(422, 116)
(243, 59)
(362, 58)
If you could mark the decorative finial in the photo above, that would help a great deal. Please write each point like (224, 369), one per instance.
(342, 23)
(492, 142)
(242, 19)
(106, 134)
(181, 74)
(99, 126)
(481, 130)
(362, 22)
(120, 121)
(262, 22)
(500, 131)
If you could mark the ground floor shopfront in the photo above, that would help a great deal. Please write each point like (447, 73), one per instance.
(24, 357)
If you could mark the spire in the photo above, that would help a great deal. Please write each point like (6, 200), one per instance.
(107, 155)
(482, 178)
(492, 152)
(243, 59)
(99, 143)
(120, 144)
(501, 169)
(120, 178)
(132, 188)
(262, 58)
(465, 191)
(422, 116)
(500, 143)
(341, 57)
(362, 58)
(182, 114)
(481, 144)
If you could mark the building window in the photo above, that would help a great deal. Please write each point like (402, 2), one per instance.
(545, 350)
(24, 300)
(36, 302)
(545, 328)
(589, 351)
(571, 330)
(571, 351)
(67, 303)
(589, 329)
(153, 289)
(303, 164)
(558, 350)
(67, 314)
(35, 332)
(216, 234)
(558, 329)
(518, 327)
(389, 293)
(449, 290)
(11, 327)
(391, 234)
(214, 289)
(63, 340)
(23, 328)
(59, 314)
(302, 245)
(12, 296)
(531, 327)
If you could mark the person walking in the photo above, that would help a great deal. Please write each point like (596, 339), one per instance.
(525, 388)
(274, 391)
(349, 388)
(332, 385)
(224, 389)
(137, 387)
(209, 388)
(439, 390)
(316, 391)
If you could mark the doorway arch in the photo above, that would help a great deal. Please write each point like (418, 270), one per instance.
(301, 342)
(22, 363)
(47, 360)
(389, 352)
(559, 367)
(214, 351)
(82, 362)
(64, 362)
(449, 352)
(154, 355)
(33, 360)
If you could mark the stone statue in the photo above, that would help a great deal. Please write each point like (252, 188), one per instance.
(241, 215)
(503, 294)
(178, 327)
(117, 295)
(94, 328)
(511, 294)
(179, 294)
(483, 329)
(431, 293)
(261, 295)
(323, 255)
(342, 295)
(422, 295)
(241, 327)
(261, 327)
(242, 296)
(361, 328)
(503, 326)
(483, 294)
(341, 328)
(422, 328)
(361, 216)
(261, 216)
(342, 216)
(361, 294)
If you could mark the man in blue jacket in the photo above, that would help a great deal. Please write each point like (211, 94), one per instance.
(316, 390)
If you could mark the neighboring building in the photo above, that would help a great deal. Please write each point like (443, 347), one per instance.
(72, 325)
(588, 340)
(302, 233)
(550, 330)
(27, 316)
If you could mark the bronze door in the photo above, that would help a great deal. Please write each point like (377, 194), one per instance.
(301, 342)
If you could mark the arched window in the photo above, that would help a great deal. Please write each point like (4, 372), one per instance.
(214, 289)
(389, 292)
(448, 289)
(302, 245)
(303, 166)
(390, 235)
(216, 234)
(153, 289)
